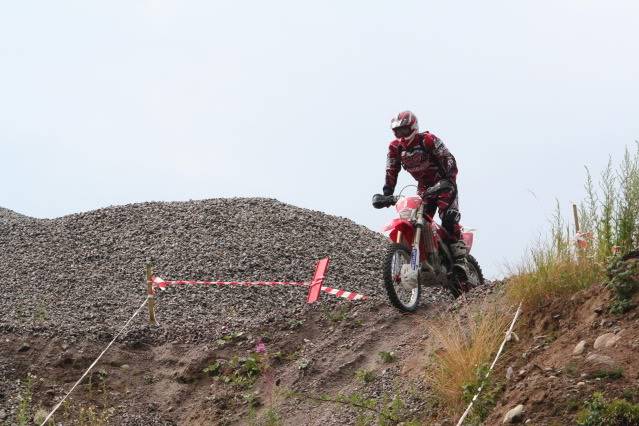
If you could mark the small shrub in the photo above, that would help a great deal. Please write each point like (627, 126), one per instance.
(94, 416)
(303, 363)
(365, 376)
(387, 357)
(613, 374)
(213, 369)
(384, 411)
(487, 398)
(23, 416)
(239, 371)
(600, 412)
(623, 279)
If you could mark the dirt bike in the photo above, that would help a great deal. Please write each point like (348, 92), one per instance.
(418, 256)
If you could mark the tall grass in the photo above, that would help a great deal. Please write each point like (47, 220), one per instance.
(609, 219)
(465, 346)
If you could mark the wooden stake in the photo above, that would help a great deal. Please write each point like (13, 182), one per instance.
(576, 215)
(151, 293)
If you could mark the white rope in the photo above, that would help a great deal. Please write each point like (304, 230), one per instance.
(94, 362)
(501, 348)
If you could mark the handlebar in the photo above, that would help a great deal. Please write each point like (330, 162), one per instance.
(380, 201)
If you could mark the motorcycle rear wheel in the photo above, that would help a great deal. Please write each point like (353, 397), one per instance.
(475, 278)
(403, 299)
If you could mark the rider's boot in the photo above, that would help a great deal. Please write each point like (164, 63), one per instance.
(459, 252)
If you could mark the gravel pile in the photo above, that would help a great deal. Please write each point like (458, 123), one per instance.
(82, 276)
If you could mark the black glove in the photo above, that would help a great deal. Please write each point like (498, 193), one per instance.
(441, 186)
(380, 201)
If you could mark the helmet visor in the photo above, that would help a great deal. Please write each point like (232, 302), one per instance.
(402, 131)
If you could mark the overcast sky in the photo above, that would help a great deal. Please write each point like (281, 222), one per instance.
(105, 103)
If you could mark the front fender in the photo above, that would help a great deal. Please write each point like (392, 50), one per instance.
(403, 226)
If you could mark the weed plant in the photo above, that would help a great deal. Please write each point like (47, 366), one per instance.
(387, 357)
(623, 279)
(611, 374)
(600, 412)
(239, 371)
(609, 222)
(23, 416)
(465, 347)
(487, 398)
(382, 411)
(365, 376)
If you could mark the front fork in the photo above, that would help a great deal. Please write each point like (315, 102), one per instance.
(419, 226)
(429, 244)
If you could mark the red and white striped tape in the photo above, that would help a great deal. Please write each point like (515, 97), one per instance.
(162, 284)
(350, 295)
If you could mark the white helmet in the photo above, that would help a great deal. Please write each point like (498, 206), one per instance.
(404, 126)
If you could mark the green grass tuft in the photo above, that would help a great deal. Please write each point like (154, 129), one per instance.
(600, 412)
(609, 219)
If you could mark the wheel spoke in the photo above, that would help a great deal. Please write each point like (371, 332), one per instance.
(403, 298)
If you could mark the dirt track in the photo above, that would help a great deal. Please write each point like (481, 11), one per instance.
(164, 384)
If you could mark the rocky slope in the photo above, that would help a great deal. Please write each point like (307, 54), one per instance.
(81, 276)
(568, 350)
(70, 283)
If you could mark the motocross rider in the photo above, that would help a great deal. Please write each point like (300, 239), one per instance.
(428, 160)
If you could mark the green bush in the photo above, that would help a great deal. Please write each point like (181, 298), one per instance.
(600, 412)
(240, 371)
(23, 416)
(487, 398)
(611, 214)
(623, 279)
(387, 357)
(612, 374)
(609, 223)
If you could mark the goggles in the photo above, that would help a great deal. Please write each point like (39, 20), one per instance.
(403, 131)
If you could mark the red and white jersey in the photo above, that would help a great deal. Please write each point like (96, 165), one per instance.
(426, 158)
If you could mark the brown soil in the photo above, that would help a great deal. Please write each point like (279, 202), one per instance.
(548, 379)
(146, 384)
(166, 384)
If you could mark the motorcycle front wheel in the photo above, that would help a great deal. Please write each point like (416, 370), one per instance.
(402, 298)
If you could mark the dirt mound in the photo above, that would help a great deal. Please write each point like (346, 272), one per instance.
(570, 349)
(81, 276)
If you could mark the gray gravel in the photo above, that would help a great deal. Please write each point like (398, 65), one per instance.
(82, 276)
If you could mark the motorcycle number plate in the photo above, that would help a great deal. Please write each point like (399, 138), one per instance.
(414, 259)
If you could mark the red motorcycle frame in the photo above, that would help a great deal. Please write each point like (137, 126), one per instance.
(419, 256)
(403, 229)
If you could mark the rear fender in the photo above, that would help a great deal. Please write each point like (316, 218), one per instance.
(468, 238)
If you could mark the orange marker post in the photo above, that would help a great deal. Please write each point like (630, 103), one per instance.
(318, 280)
